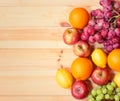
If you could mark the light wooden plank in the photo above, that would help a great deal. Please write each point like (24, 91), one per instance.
(33, 44)
(32, 16)
(39, 98)
(42, 33)
(35, 59)
(47, 3)
(35, 17)
(30, 85)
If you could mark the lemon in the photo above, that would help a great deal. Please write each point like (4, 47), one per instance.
(64, 78)
(99, 58)
(117, 79)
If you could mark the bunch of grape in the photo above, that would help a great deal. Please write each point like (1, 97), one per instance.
(108, 92)
(104, 25)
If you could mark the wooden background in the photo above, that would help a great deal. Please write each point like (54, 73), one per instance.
(31, 45)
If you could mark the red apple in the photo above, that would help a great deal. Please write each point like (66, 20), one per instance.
(101, 76)
(82, 49)
(79, 89)
(71, 36)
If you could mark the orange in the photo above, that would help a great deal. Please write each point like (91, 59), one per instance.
(81, 68)
(79, 17)
(114, 60)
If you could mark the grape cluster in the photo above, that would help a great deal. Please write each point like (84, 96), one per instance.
(104, 25)
(108, 92)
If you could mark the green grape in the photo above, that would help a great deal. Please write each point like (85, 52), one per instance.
(107, 86)
(91, 99)
(104, 86)
(110, 92)
(107, 96)
(94, 92)
(117, 90)
(99, 87)
(118, 94)
(110, 87)
(101, 96)
(113, 84)
(104, 90)
(90, 96)
(116, 97)
(99, 91)
(111, 97)
(98, 98)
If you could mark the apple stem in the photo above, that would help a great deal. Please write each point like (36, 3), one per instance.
(69, 31)
(100, 73)
(78, 89)
(80, 47)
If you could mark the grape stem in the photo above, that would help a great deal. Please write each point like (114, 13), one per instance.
(114, 18)
(115, 11)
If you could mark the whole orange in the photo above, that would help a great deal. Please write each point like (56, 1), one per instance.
(81, 68)
(114, 60)
(79, 17)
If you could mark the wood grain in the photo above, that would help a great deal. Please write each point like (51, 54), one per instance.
(32, 34)
(38, 98)
(47, 3)
(35, 17)
(32, 49)
(35, 58)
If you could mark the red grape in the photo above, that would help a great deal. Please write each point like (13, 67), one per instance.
(90, 30)
(104, 25)
(116, 5)
(115, 40)
(104, 33)
(105, 2)
(116, 45)
(84, 37)
(108, 14)
(97, 36)
(91, 22)
(85, 29)
(118, 22)
(117, 31)
(109, 48)
(111, 34)
(106, 43)
(98, 26)
(91, 39)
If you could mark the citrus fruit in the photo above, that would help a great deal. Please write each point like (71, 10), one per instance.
(64, 78)
(81, 68)
(117, 79)
(79, 17)
(114, 60)
(99, 57)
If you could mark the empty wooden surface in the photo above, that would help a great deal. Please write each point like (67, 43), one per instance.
(30, 46)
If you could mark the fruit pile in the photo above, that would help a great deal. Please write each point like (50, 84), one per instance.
(97, 65)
